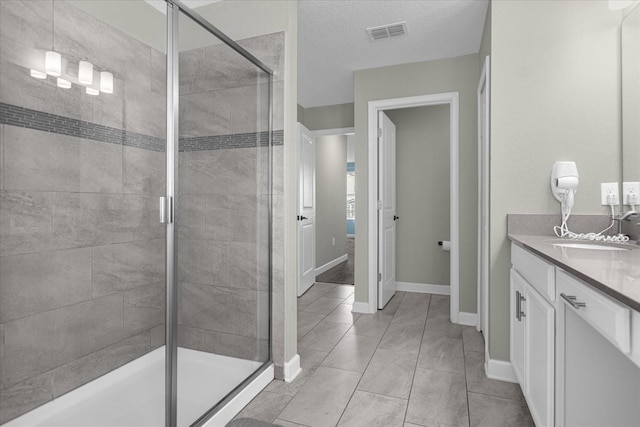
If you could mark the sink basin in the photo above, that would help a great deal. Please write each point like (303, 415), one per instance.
(591, 246)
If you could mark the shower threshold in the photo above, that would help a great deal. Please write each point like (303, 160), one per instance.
(133, 395)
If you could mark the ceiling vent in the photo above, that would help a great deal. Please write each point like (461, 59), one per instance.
(387, 31)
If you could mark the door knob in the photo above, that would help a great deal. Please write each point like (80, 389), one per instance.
(395, 217)
(302, 217)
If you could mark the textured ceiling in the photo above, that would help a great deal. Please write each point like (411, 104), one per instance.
(333, 42)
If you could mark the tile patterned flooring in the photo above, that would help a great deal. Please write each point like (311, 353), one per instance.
(404, 366)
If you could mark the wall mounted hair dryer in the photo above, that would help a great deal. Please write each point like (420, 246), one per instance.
(564, 183)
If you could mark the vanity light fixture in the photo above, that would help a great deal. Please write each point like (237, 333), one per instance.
(37, 74)
(64, 84)
(619, 4)
(85, 73)
(92, 91)
(106, 82)
(53, 63)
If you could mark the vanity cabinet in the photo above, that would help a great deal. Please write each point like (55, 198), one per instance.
(532, 332)
(597, 383)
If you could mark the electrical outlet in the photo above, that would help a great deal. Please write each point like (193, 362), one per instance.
(631, 193)
(609, 194)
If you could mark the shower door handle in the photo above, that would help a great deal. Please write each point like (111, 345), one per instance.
(166, 208)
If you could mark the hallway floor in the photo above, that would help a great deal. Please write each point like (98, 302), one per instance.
(405, 366)
(342, 273)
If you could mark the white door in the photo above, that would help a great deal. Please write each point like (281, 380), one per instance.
(306, 209)
(386, 209)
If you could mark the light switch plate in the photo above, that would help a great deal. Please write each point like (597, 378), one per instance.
(609, 194)
(631, 193)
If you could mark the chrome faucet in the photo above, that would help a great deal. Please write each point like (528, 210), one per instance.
(627, 216)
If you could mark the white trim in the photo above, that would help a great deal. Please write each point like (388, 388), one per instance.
(468, 319)
(483, 199)
(423, 288)
(335, 131)
(235, 405)
(500, 370)
(292, 369)
(331, 264)
(451, 99)
(363, 307)
(351, 236)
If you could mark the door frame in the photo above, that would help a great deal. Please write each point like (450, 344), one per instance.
(448, 98)
(483, 200)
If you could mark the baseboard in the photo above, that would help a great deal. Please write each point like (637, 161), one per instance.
(292, 369)
(500, 370)
(423, 288)
(361, 307)
(331, 264)
(467, 319)
(242, 399)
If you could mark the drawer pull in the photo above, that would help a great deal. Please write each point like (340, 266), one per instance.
(519, 299)
(572, 300)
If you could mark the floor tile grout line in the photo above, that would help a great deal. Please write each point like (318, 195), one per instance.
(415, 368)
(466, 383)
(369, 363)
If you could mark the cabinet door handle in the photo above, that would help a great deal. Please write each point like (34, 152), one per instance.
(522, 313)
(572, 301)
(519, 312)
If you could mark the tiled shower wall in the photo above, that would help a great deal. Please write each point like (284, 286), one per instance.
(223, 201)
(81, 250)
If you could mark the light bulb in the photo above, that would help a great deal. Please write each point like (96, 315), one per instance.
(37, 74)
(619, 4)
(106, 82)
(92, 91)
(64, 84)
(53, 63)
(85, 72)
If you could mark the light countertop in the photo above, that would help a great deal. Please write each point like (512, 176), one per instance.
(615, 273)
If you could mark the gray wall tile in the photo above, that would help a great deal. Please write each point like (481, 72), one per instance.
(157, 336)
(217, 217)
(217, 308)
(41, 161)
(203, 261)
(205, 113)
(233, 345)
(192, 71)
(90, 367)
(144, 171)
(88, 219)
(127, 265)
(144, 308)
(200, 173)
(38, 282)
(248, 268)
(25, 222)
(192, 338)
(43, 341)
(25, 396)
(191, 214)
(269, 49)
(28, 18)
(225, 68)
(100, 167)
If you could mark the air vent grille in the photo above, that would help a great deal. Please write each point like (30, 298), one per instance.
(387, 31)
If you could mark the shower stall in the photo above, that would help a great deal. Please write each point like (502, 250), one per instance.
(136, 147)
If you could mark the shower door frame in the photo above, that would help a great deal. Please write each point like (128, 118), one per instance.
(174, 7)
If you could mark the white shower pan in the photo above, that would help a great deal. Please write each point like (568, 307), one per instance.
(133, 395)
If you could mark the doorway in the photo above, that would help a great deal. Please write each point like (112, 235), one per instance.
(452, 100)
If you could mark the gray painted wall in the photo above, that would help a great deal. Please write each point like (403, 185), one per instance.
(328, 117)
(555, 95)
(421, 78)
(331, 196)
(422, 193)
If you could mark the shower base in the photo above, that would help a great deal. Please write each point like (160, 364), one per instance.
(133, 395)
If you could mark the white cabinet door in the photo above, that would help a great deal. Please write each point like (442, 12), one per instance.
(517, 326)
(539, 359)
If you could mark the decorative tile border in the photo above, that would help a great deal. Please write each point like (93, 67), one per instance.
(31, 119)
(23, 117)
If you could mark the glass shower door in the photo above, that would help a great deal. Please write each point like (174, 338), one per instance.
(222, 220)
